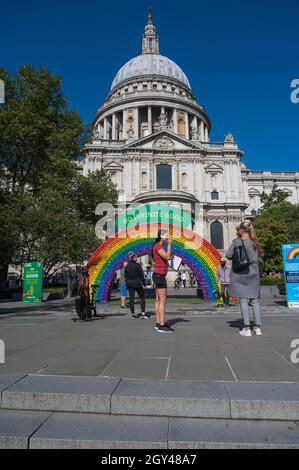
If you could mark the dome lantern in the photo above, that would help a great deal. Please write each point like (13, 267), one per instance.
(150, 39)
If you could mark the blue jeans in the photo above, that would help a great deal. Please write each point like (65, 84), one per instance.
(225, 293)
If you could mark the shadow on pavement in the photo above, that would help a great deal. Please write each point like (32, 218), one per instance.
(281, 302)
(236, 324)
(177, 320)
(239, 324)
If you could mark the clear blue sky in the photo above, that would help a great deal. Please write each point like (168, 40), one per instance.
(240, 57)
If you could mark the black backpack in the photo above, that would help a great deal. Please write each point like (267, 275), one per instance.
(240, 260)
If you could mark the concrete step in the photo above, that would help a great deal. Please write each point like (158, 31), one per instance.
(145, 397)
(41, 430)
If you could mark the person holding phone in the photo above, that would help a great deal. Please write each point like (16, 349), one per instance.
(161, 256)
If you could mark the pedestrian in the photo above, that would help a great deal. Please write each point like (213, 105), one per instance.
(246, 255)
(191, 279)
(223, 275)
(122, 286)
(177, 283)
(184, 279)
(160, 259)
(135, 282)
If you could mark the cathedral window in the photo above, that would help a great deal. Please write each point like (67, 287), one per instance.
(216, 230)
(214, 195)
(164, 176)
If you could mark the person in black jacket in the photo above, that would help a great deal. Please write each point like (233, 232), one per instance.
(135, 281)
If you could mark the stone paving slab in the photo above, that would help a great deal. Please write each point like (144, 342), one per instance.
(278, 401)
(75, 431)
(171, 398)
(38, 356)
(258, 361)
(75, 363)
(208, 367)
(232, 434)
(51, 393)
(129, 365)
(8, 380)
(17, 426)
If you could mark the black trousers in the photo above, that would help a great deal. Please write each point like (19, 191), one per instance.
(140, 291)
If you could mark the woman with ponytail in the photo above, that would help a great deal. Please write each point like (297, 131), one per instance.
(160, 258)
(245, 281)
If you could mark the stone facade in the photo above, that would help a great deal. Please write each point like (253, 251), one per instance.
(151, 123)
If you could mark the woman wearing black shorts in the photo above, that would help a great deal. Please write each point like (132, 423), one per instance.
(161, 258)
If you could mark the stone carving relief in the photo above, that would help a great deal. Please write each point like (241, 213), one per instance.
(96, 134)
(194, 133)
(163, 121)
(163, 143)
(130, 133)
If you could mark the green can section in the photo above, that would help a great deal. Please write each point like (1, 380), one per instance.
(33, 282)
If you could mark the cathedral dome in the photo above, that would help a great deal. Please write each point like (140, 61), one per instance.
(150, 64)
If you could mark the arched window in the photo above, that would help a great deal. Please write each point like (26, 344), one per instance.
(184, 181)
(164, 178)
(217, 235)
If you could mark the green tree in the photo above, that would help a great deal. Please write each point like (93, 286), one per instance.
(288, 213)
(272, 234)
(277, 223)
(276, 196)
(35, 126)
(47, 207)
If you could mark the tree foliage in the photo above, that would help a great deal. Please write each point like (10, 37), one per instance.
(277, 223)
(275, 197)
(46, 206)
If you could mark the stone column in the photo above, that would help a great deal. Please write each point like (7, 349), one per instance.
(175, 121)
(137, 123)
(186, 126)
(194, 122)
(113, 126)
(202, 135)
(105, 128)
(194, 133)
(149, 120)
(206, 134)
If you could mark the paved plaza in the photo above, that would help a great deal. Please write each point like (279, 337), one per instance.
(205, 346)
(115, 383)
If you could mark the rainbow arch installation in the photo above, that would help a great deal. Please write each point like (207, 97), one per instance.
(196, 252)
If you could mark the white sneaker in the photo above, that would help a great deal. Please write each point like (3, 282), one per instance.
(246, 333)
(144, 316)
(257, 331)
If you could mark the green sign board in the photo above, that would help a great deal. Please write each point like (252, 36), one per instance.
(154, 213)
(33, 282)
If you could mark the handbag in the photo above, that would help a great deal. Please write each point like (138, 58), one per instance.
(240, 260)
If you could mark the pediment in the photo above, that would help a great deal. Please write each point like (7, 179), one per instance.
(214, 168)
(163, 140)
(254, 192)
(112, 165)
